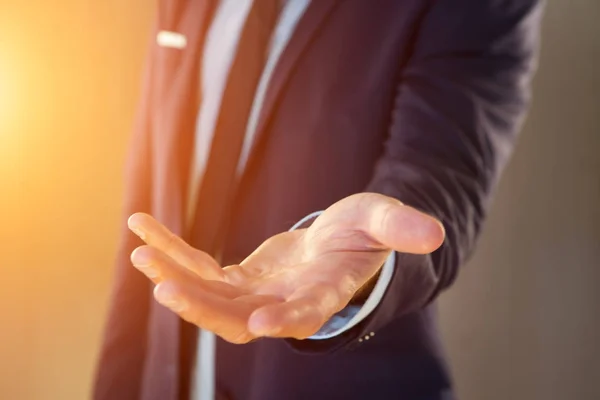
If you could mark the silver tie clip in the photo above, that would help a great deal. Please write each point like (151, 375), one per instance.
(171, 39)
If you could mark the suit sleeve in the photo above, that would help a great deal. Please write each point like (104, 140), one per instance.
(122, 353)
(459, 105)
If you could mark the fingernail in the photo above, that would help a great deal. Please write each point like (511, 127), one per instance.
(168, 297)
(135, 228)
(147, 270)
(142, 261)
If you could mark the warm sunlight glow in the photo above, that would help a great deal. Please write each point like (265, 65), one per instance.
(9, 109)
(69, 83)
(6, 91)
(13, 78)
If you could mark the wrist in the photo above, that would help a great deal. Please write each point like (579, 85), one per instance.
(363, 293)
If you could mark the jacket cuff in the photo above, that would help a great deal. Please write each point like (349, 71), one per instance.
(351, 315)
(412, 286)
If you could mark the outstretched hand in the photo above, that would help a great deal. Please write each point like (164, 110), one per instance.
(292, 283)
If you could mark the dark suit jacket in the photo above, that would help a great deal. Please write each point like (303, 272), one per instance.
(416, 99)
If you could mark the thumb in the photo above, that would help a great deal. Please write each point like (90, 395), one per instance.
(400, 227)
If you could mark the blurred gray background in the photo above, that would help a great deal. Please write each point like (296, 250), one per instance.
(523, 320)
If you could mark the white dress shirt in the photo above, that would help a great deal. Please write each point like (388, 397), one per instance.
(219, 51)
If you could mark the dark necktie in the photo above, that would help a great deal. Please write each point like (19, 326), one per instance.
(217, 188)
(216, 192)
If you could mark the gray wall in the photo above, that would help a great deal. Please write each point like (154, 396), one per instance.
(523, 320)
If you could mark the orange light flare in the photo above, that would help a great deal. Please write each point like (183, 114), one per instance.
(12, 110)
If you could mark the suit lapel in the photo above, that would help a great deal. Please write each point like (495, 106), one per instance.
(177, 105)
(314, 17)
(174, 125)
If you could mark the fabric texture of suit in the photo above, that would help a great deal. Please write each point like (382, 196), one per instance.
(418, 100)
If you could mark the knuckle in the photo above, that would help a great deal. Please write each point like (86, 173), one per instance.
(351, 281)
(326, 298)
(171, 242)
(384, 219)
(329, 291)
(271, 241)
(198, 256)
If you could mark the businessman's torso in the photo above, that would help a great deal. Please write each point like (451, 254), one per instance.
(324, 123)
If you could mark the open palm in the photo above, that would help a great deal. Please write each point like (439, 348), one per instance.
(292, 283)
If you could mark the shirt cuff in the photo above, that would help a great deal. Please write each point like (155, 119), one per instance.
(352, 314)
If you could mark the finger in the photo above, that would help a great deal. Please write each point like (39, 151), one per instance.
(300, 317)
(157, 235)
(225, 317)
(159, 267)
(278, 250)
(403, 228)
(237, 275)
(258, 300)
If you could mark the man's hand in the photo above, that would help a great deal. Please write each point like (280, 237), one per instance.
(295, 281)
